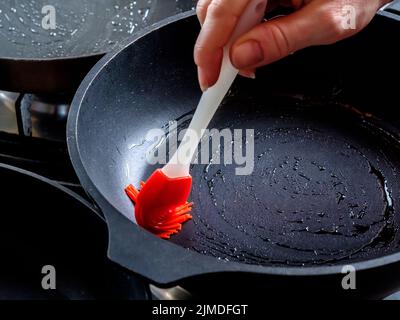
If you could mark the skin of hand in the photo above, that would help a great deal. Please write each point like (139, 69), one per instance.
(314, 22)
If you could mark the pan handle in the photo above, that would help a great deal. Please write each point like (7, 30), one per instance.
(161, 262)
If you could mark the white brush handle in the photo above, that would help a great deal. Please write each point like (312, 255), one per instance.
(179, 164)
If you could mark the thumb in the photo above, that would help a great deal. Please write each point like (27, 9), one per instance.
(270, 41)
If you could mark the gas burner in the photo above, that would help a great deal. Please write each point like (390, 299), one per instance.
(34, 116)
(174, 293)
(8, 121)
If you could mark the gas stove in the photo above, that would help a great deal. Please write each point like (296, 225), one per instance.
(32, 138)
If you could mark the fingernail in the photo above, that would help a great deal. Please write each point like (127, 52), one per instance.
(203, 81)
(247, 54)
(248, 74)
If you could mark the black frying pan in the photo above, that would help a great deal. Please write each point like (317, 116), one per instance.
(34, 59)
(43, 223)
(325, 188)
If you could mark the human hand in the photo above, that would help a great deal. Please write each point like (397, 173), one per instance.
(315, 22)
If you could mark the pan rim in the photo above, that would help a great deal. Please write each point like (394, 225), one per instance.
(220, 266)
(53, 59)
(52, 183)
(98, 55)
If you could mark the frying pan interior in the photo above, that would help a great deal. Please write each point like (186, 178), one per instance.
(325, 187)
(82, 27)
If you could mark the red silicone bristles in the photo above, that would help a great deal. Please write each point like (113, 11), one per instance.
(132, 192)
(161, 205)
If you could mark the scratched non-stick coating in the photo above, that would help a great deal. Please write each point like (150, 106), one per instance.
(324, 188)
(83, 27)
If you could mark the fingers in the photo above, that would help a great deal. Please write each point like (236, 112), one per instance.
(201, 9)
(316, 23)
(220, 21)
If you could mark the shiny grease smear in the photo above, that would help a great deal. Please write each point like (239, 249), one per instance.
(321, 191)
